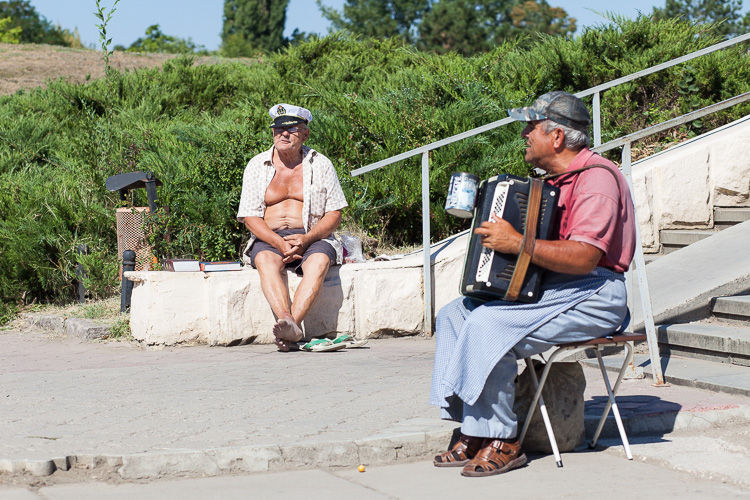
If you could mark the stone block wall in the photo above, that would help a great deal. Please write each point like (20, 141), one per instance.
(367, 300)
(680, 187)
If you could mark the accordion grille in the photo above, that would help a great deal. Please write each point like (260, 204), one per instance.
(523, 201)
(507, 272)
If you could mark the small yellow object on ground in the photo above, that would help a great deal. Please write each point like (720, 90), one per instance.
(361, 468)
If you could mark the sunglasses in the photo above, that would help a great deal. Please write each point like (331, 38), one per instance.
(291, 130)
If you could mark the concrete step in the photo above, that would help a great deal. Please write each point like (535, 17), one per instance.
(689, 372)
(708, 341)
(725, 217)
(674, 239)
(735, 309)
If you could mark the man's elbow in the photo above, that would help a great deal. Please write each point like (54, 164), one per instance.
(336, 218)
(588, 259)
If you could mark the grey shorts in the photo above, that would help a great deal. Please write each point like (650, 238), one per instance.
(319, 246)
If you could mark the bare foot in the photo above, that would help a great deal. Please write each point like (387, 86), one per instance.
(285, 332)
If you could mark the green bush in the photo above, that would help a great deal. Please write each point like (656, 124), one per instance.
(196, 126)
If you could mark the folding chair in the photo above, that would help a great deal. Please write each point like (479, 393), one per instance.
(616, 340)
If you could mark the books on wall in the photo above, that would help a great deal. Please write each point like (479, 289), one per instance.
(193, 265)
(181, 265)
(221, 266)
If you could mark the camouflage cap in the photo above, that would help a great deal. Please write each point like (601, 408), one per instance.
(558, 106)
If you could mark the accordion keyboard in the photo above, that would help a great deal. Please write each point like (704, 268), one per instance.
(498, 208)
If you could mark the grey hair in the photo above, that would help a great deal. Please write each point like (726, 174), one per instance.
(574, 139)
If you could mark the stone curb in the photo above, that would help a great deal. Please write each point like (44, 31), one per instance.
(76, 327)
(376, 450)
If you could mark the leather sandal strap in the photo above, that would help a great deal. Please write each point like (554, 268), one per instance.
(464, 449)
(495, 452)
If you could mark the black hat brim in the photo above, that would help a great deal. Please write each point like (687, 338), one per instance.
(287, 121)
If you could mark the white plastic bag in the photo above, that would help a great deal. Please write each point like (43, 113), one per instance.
(352, 248)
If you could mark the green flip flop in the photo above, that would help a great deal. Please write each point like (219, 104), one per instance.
(322, 345)
(349, 341)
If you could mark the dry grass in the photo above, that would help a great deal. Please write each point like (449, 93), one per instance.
(106, 312)
(28, 66)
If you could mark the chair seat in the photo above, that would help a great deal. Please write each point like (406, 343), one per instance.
(613, 340)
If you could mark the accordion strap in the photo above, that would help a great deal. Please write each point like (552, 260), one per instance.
(529, 239)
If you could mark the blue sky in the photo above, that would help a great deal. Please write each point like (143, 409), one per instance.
(201, 19)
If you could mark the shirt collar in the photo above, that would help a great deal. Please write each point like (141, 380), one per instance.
(580, 160)
(306, 155)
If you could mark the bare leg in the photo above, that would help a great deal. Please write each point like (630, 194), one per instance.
(286, 330)
(314, 269)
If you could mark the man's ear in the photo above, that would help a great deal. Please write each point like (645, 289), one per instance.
(559, 138)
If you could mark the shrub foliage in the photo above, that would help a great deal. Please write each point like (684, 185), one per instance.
(196, 126)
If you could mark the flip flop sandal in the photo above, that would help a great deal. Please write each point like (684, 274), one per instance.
(322, 345)
(349, 341)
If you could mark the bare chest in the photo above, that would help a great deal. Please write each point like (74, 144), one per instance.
(285, 185)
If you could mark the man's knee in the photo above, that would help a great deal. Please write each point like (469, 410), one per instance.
(268, 261)
(316, 264)
(454, 311)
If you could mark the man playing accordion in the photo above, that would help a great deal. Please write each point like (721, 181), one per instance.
(582, 297)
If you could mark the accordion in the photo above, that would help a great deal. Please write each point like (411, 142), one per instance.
(491, 275)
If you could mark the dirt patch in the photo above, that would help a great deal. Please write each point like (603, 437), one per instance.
(28, 66)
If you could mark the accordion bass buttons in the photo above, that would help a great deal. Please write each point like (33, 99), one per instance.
(489, 283)
(530, 294)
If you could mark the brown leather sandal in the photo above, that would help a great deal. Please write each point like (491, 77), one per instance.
(496, 457)
(463, 451)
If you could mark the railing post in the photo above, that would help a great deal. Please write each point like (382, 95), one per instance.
(426, 243)
(640, 267)
(597, 119)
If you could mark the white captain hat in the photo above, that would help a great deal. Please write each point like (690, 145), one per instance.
(286, 115)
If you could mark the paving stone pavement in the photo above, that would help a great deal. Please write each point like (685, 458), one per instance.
(203, 411)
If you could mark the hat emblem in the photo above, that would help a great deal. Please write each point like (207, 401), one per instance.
(280, 110)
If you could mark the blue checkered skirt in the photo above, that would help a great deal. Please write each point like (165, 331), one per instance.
(472, 336)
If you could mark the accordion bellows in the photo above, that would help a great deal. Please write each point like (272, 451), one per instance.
(486, 273)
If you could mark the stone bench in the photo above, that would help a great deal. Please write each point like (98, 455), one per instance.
(367, 300)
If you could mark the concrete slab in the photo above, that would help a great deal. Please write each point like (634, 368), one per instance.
(682, 284)
(654, 474)
(684, 237)
(718, 377)
(311, 484)
(541, 479)
(134, 414)
(735, 306)
(722, 340)
(17, 494)
(731, 214)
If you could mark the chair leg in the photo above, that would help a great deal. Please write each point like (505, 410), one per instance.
(542, 408)
(611, 403)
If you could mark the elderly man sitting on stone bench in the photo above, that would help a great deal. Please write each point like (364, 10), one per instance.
(291, 203)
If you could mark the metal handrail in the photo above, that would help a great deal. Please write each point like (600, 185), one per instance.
(626, 167)
(591, 91)
(674, 122)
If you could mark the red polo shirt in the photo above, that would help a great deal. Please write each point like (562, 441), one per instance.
(592, 210)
